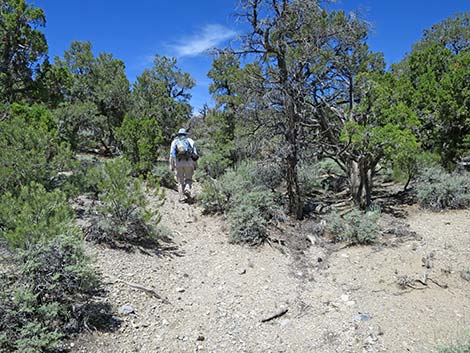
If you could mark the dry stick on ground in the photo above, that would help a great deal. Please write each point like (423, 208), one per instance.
(279, 313)
(150, 291)
(406, 281)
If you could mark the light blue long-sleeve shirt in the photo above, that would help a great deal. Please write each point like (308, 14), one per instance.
(173, 147)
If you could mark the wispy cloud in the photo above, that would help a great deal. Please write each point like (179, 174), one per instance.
(210, 37)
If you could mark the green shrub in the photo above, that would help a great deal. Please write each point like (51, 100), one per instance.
(35, 115)
(124, 212)
(81, 179)
(34, 216)
(213, 165)
(218, 195)
(322, 175)
(213, 198)
(406, 167)
(30, 150)
(165, 177)
(309, 176)
(240, 180)
(58, 271)
(141, 138)
(243, 195)
(269, 175)
(355, 228)
(37, 306)
(329, 166)
(250, 216)
(439, 190)
(247, 225)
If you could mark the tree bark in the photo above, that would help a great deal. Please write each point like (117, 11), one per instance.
(293, 189)
(360, 180)
(291, 135)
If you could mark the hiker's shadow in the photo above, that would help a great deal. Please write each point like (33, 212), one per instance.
(160, 243)
(161, 246)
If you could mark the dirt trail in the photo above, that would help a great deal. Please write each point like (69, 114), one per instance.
(219, 292)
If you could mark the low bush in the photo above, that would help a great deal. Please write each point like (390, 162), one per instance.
(30, 150)
(355, 227)
(217, 195)
(268, 175)
(213, 165)
(39, 305)
(123, 213)
(34, 216)
(247, 225)
(322, 175)
(82, 178)
(243, 195)
(48, 276)
(251, 215)
(213, 198)
(310, 180)
(439, 190)
(165, 177)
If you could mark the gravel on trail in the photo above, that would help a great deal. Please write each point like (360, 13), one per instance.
(217, 294)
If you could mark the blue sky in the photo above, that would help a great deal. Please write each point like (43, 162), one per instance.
(134, 31)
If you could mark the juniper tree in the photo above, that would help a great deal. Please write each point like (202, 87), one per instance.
(438, 70)
(96, 97)
(314, 85)
(221, 121)
(162, 94)
(22, 47)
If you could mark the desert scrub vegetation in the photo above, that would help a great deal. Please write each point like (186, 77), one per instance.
(251, 216)
(356, 227)
(48, 297)
(218, 195)
(164, 176)
(459, 348)
(123, 213)
(30, 148)
(47, 290)
(438, 189)
(242, 194)
(34, 216)
(213, 164)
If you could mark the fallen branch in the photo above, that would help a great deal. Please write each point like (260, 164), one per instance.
(280, 313)
(149, 291)
(405, 281)
(445, 286)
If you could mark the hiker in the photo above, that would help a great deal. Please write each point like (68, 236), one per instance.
(183, 160)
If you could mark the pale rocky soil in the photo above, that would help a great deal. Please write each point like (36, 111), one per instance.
(218, 293)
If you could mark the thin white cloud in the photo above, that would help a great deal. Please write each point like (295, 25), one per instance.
(210, 37)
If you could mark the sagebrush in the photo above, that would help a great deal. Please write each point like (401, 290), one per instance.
(439, 190)
(356, 227)
(48, 297)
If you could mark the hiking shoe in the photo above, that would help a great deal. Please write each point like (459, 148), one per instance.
(187, 193)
